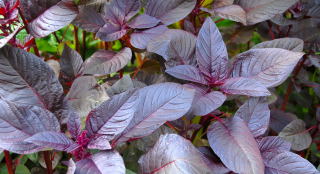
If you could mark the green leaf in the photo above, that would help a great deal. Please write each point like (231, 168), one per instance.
(21, 169)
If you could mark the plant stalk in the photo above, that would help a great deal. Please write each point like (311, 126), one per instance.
(8, 162)
(48, 161)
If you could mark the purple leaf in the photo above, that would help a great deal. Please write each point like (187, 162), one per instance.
(74, 124)
(291, 44)
(188, 26)
(258, 11)
(207, 103)
(288, 162)
(70, 63)
(187, 72)
(175, 44)
(71, 166)
(157, 104)
(105, 62)
(85, 94)
(31, 9)
(234, 144)
(143, 21)
(169, 12)
(100, 142)
(269, 66)
(89, 20)
(280, 119)
(124, 84)
(120, 11)
(140, 39)
(112, 116)
(111, 32)
(211, 51)
(296, 133)
(244, 86)
(231, 12)
(20, 122)
(173, 154)
(255, 112)
(55, 140)
(221, 3)
(100, 163)
(53, 19)
(272, 145)
(26, 79)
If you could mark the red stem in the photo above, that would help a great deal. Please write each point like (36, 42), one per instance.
(76, 38)
(48, 161)
(270, 30)
(84, 44)
(8, 162)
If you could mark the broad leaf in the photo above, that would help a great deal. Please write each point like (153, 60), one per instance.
(232, 12)
(140, 39)
(173, 154)
(291, 44)
(221, 3)
(100, 142)
(280, 119)
(272, 145)
(269, 66)
(26, 79)
(207, 103)
(111, 32)
(53, 19)
(89, 20)
(255, 112)
(124, 84)
(113, 116)
(85, 94)
(169, 11)
(144, 21)
(55, 140)
(157, 104)
(120, 11)
(20, 122)
(70, 63)
(288, 162)
(211, 51)
(175, 46)
(234, 144)
(105, 62)
(244, 86)
(258, 11)
(296, 133)
(187, 72)
(31, 9)
(101, 163)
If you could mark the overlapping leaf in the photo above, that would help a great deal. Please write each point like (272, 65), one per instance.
(234, 144)
(173, 154)
(70, 63)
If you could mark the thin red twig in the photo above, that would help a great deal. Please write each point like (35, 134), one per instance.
(8, 161)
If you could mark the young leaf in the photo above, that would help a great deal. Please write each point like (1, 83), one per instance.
(71, 63)
(140, 39)
(55, 140)
(85, 94)
(187, 72)
(6, 39)
(121, 11)
(211, 51)
(74, 124)
(255, 112)
(288, 162)
(143, 21)
(169, 12)
(234, 144)
(291, 44)
(258, 11)
(53, 19)
(28, 79)
(89, 20)
(269, 66)
(111, 32)
(244, 86)
(105, 62)
(113, 116)
(296, 133)
(71, 166)
(157, 104)
(173, 154)
(100, 163)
